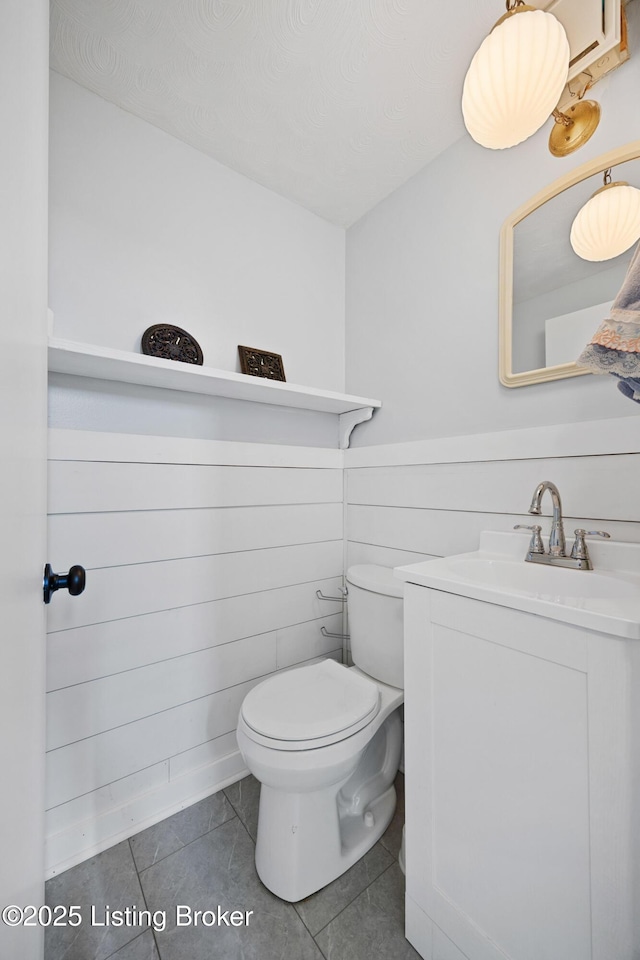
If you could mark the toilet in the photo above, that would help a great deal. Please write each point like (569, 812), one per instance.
(324, 740)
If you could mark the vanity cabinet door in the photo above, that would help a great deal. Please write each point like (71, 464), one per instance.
(510, 831)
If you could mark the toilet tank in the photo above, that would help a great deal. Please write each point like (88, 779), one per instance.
(374, 603)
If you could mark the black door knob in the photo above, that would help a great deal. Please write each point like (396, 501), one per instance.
(74, 581)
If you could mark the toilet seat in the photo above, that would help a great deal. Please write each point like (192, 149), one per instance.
(310, 707)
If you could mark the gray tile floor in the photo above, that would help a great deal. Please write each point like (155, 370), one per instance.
(204, 856)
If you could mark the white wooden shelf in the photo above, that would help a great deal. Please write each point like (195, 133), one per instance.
(102, 363)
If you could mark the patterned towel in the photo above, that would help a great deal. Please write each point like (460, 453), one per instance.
(615, 346)
(630, 386)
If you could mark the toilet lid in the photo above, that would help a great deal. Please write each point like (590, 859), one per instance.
(311, 703)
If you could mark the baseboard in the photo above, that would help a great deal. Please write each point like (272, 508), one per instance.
(418, 928)
(86, 838)
(426, 937)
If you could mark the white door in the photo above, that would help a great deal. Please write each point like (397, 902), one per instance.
(24, 59)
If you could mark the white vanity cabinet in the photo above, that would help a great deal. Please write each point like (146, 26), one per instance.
(522, 783)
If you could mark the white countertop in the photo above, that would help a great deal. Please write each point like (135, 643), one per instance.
(606, 599)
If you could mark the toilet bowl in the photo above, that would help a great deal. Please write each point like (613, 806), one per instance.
(325, 741)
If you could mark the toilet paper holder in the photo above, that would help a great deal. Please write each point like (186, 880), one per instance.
(343, 599)
(337, 636)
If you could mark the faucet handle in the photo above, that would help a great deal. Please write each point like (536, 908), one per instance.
(536, 545)
(579, 551)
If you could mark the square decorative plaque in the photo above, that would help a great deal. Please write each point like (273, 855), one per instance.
(261, 363)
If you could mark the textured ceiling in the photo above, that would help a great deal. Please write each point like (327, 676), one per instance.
(331, 103)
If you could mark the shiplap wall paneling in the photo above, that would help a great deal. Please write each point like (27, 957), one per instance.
(128, 591)
(603, 487)
(99, 818)
(82, 710)
(361, 552)
(92, 487)
(86, 765)
(403, 514)
(448, 532)
(201, 580)
(116, 539)
(98, 650)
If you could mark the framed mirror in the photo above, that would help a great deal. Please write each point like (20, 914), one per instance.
(551, 300)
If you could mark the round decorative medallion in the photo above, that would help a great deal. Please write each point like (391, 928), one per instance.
(171, 343)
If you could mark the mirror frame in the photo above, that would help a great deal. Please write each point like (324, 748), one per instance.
(508, 378)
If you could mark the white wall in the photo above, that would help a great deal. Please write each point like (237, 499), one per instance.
(145, 229)
(79, 403)
(422, 287)
(203, 560)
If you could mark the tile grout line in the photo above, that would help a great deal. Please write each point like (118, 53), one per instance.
(144, 899)
(246, 829)
(236, 809)
(185, 845)
(129, 942)
(135, 867)
(302, 920)
(381, 874)
(392, 853)
(320, 948)
(377, 877)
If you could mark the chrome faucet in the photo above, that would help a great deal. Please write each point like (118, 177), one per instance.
(557, 556)
(557, 546)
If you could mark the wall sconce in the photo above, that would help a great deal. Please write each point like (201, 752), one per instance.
(608, 223)
(573, 128)
(516, 79)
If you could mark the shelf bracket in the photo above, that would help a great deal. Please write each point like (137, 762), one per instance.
(350, 420)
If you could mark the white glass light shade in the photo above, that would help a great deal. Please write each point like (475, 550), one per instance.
(608, 224)
(515, 79)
